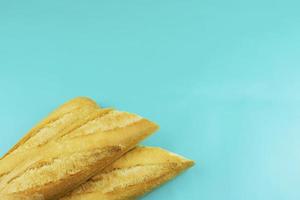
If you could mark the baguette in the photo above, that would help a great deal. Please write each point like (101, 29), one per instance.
(134, 174)
(71, 155)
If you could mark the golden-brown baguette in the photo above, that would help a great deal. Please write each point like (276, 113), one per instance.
(134, 174)
(55, 168)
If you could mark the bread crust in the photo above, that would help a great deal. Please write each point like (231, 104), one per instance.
(78, 103)
(72, 152)
(20, 197)
(61, 122)
(136, 173)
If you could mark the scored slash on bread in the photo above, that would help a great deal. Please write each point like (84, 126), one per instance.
(134, 174)
(62, 120)
(70, 146)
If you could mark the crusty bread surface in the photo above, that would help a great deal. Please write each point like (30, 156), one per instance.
(20, 197)
(67, 148)
(55, 122)
(136, 173)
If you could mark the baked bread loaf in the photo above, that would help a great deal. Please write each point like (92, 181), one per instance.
(71, 145)
(134, 174)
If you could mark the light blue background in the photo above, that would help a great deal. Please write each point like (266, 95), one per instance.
(222, 78)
